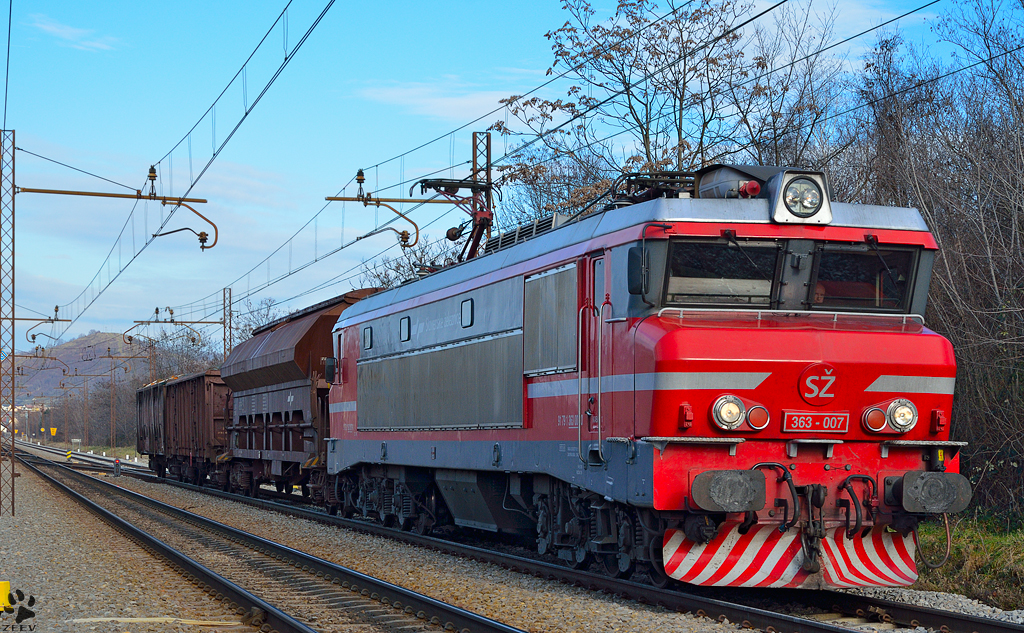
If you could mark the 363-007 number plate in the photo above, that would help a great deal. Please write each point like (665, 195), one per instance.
(811, 422)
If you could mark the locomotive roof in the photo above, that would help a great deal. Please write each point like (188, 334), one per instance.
(731, 210)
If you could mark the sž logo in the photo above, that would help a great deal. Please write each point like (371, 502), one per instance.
(817, 385)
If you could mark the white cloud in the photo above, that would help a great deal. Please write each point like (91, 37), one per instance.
(82, 39)
(449, 101)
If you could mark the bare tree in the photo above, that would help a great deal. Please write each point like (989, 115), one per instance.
(661, 81)
(251, 316)
(426, 256)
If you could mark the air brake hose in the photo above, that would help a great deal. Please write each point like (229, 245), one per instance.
(788, 478)
(949, 546)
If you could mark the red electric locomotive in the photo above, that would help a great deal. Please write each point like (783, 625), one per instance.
(721, 377)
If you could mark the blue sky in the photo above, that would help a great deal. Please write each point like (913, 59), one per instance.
(111, 87)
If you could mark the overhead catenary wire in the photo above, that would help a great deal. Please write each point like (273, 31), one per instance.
(265, 260)
(87, 173)
(81, 298)
(187, 139)
(574, 68)
(543, 85)
(470, 124)
(916, 85)
(743, 83)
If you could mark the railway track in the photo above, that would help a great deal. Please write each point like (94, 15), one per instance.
(83, 461)
(275, 587)
(839, 611)
(849, 610)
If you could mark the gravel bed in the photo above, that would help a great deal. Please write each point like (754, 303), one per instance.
(79, 568)
(944, 601)
(516, 599)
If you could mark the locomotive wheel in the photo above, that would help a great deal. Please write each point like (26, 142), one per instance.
(610, 565)
(305, 491)
(581, 558)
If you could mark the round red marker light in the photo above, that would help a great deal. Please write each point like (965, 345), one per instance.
(758, 417)
(874, 420)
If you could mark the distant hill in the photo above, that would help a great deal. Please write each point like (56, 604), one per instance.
(42, 374)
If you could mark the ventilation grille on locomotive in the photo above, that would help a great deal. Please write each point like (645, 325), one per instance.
(525, 232)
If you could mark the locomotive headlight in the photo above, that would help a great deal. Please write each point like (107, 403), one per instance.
(902, 415)
(802, 197)
(799, 197)
(728, 412)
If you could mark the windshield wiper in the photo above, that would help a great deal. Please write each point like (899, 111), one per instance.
(730, 236)
(872, 242)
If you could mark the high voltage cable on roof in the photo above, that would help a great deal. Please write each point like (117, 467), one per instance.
(74, 309)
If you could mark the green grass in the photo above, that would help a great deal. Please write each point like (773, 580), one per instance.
(987, 561)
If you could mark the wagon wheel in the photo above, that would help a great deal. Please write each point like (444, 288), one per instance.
(279, 486)
(423, 524)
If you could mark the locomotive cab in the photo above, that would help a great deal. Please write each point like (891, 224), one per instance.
(794, 367)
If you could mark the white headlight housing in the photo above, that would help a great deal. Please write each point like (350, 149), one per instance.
(799, 197)
(728, 412)
(901, 415)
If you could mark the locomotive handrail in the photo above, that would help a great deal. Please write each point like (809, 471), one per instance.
(600, 375)
(579, 382)
(835, 315)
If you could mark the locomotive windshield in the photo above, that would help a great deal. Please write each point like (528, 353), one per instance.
(703, 273)
(854, 278)
(844, 277)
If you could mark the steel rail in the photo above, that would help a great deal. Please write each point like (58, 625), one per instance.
(205, 577)
(750, 617)
(850, 604)
(90, 458)
(449, 616)
(678, 599)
